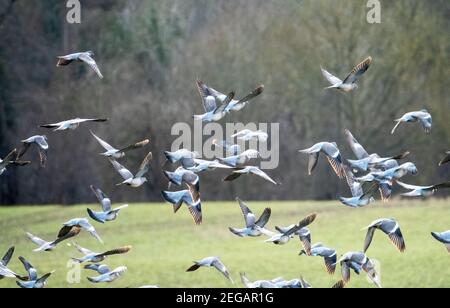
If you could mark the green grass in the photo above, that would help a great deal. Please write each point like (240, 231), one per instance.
(164, 244)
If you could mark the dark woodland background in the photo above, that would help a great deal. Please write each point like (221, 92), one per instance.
(152, 51)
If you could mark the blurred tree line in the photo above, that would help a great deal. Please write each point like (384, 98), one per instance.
(152, 51)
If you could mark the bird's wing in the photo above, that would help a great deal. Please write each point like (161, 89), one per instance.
(339, 285)
(337, 166)
(264, 219)
(117, 251)
(369, 238)
(82, 250)
(145, 166)
(263, 175)
(29, 268)
(307, 221)
(103, 143)
(306, 243)
(233, 176)
(42, 142)
(330, 263)
(221, 268)
(135, 146)
(64, 231)
(356, 147)
(23, 150)
(258, 91)
(245, 211)
(411, 187)
(91, 62)
(443, 185)
(7, 257)
(445, 160)
(124, 172)
(312, 162)
(225, 103)
(38, 241)
(426, 123)
(79, 121)
(74, 231)
(331, 78)
(397, 239)
(196, 213)
(355, 187)
(345, 270)
(99, 268)
(208, 98)
(101, 197)
(43, 157)
(358, 71)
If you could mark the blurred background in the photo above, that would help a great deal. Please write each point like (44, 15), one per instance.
(151, 53)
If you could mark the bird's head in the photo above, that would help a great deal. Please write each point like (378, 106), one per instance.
(90, 53)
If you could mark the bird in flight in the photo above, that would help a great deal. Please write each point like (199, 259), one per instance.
(119, 153)
(70, 124)
(351, 82)
(423, 117)
(131, 180)
(84, 57)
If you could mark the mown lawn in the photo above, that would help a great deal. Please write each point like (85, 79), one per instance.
(164, 244)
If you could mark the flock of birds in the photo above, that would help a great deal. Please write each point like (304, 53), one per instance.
(365, 175)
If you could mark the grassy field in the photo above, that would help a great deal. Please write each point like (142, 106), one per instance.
(164, 244)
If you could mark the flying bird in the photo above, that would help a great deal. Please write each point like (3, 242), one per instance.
(329, 255)
(185, 157)
(131, 180)
(177, 198)
(351, 82)
(7, 161)
(50, 246)
(294, 284)
(206, 165)
(70, 124)
(390, 174)
(443, 237)
(304, 235)
(119, 153)
(240, 159)
(107, 213)
(40, 142)
(109, 276)
(374, 161)
(4, 271)
(423, 117)
(358, 261)
(252, 226)
(94, 257)
(388, 226)
(214, 113)
(191, 179)
(357, 149)
(446, 159)
(82, 223)
(33, 281)
(234, 105)
(260, 284)
(250, 170)
(85, 57)
(331, 151)
(247, 135)
(232, 149)
(422, 191)
(211, 262)
(283, 238)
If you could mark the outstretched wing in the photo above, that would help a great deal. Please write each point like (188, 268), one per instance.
(358, 71)
(331, 78)
(369, 238)
(117, 251)
(102, 198)
(264, 219)
(103, 143)
(145, 166)
(263, 175)
(258, 91)
(7, 257)
(225, 103)
(135, 146)
(91, 62)
(124, 172)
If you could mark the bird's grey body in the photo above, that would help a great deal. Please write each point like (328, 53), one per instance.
(211, 262)
(423, 117)
(252, 226)
(71, 124)
(85, 57)
(332, 153)
(304, 235)
(137, 180)
(177, 198)
(241, 159)
(443, 237)
(107, 213)
(390, 174)
(282, 238)
(185, 157)
(350, 83)
(329, 255)
(118, 153)
(358, 261)
(206, 165)
(388, 226)
(109, 276)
